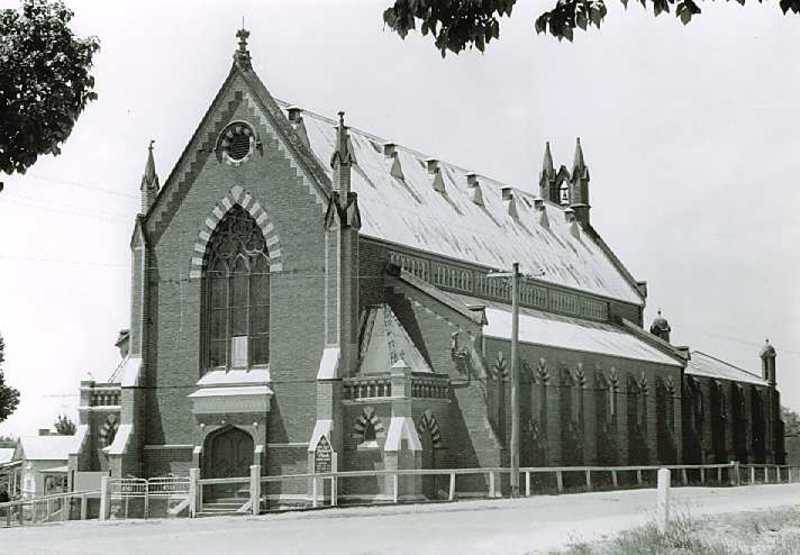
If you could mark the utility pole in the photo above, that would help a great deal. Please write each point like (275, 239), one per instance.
(514, 447)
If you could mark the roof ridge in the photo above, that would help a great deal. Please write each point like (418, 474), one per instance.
(725, 362)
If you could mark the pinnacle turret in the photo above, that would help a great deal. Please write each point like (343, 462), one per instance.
(579, 188)
(547, 178)
(149, 186)
(242, 55)
(342, 158)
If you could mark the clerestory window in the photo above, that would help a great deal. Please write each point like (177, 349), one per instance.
(236, 294)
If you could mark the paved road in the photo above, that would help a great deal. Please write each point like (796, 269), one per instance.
(500, 526)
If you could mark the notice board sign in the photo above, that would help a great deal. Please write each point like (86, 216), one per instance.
(323, 456)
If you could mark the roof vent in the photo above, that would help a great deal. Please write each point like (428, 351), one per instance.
(295, 113)
(538, 204)
(569, 215)
(541, 213)
(510, 201)
(475, 187)
(397, 169)
(432, 165)
(389, 149)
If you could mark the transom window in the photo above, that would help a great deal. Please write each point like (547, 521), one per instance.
(236, 290)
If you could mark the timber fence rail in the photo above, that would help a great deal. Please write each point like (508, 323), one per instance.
(71, 505)
(184, 496)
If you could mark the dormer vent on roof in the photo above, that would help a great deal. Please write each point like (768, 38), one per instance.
(510, 201)
(541, 213)
(295, 115)
(390, 151)
(436, 170)
(474, 185)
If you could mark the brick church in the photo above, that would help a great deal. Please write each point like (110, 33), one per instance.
(299, 286)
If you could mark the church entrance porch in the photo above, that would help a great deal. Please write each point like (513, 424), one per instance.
(228, 454)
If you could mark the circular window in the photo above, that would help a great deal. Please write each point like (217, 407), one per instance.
(237, 140)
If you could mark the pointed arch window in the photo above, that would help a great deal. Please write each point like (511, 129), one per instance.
(236, 294)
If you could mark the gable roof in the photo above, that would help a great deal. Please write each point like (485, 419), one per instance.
(413, 212)
(47, 448)
(705, 365)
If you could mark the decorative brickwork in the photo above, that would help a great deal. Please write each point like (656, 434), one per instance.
(237, 196)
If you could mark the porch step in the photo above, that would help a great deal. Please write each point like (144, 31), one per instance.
(223, 506)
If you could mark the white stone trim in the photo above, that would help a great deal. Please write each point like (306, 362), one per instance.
(218, 213)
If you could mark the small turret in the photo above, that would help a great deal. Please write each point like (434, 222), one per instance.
(579, 187)
(660, 327)
(767, 355)
(547, 178)
(150, 185)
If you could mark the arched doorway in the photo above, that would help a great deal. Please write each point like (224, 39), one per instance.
(228, 453)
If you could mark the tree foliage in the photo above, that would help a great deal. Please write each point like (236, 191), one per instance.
(791, 422)
(458, 25)
(44, 81)
(9, 397)
(64, 426)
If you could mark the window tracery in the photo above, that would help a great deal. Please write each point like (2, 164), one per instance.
(237, 299)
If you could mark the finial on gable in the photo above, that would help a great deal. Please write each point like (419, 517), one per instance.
(343, 157)
(242, 55)
(149, 185)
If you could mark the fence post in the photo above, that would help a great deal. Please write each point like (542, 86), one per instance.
(66, 507)
(105, 497)
(734, 470)
(778, 468)
(451, 495)
(752, 475)
(194, 492)
(685, 476)
(8, 515)
(614, 481)
(335, 481)
(639, 476)
(83, 507)
(663, 498)
(255, 489)
(527, 484)
(719, 474)
(702, 475)
(588, 480)
(396, 487)
(491, 485)
(559, 481)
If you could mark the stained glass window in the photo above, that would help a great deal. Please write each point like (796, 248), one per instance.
(236, 290)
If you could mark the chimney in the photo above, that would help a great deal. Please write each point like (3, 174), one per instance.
(149, 185)
(579, 187)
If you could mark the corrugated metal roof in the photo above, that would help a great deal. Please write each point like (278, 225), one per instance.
(702, 364)
(542, 328)
(410, 212)
(47, 448)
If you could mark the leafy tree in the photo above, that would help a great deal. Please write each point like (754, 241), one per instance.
(9, 397)
(791, 422)
(7, 441)
(457, 25)
(44, 81)
(64, 426)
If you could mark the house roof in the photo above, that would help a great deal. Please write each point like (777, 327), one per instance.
(47, 448)
(409, 211)
(705, 365)
(6, 454)
(551, 330)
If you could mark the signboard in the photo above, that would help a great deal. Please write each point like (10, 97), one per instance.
(323, 455)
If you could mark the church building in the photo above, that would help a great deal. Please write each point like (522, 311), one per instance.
(303, 291)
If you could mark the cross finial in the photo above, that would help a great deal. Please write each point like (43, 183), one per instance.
(242, 55)
(150, 146)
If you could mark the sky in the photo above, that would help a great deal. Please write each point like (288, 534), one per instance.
(690, 134)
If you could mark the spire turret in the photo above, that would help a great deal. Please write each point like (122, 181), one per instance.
(579, 188)
(547, 178)
(767, 355)
(150, 185)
